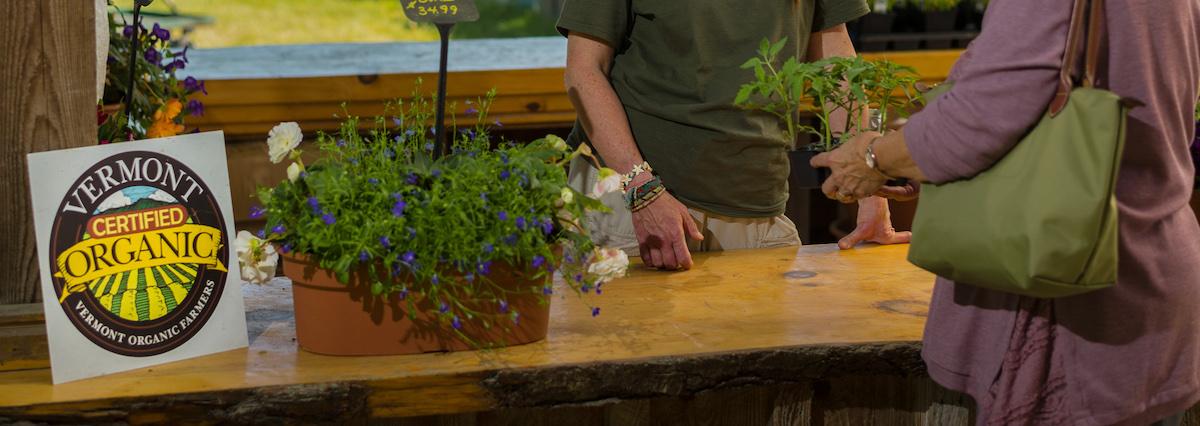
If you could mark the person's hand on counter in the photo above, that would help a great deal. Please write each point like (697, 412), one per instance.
(662, 228)
(874, 225)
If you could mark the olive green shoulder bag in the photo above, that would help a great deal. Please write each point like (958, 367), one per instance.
(1042, 221)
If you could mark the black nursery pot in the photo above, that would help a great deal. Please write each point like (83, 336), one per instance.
(941, 21)
(805, 176)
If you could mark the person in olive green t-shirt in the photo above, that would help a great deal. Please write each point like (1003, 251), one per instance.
(654, 81)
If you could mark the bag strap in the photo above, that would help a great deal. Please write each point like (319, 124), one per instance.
(1080, 39)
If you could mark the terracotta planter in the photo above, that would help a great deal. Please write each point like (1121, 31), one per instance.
(345, 319)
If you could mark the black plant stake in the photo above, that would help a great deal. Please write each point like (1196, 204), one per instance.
(444, 14)
(133, 52)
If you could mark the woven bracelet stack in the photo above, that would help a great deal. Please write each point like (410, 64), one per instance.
(641, 196)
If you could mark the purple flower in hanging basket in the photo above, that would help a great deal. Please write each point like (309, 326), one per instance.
(585, 288)
(547, 291)
(598, 287)
(595, 311)
(485, 268)
(412, 179)
(373, 181)
(503, 306)
(341, 143)
(443, 308)
(511, 240)
(521, 223)
(497, 123)
(503, 158)
(195, 108)
(429, 146)
(363, 256)
(436, 173)
(470, 277)
(278, 229)
(472, 111)
(161, 33)
(408, 257)
(385, 242)
(257, 212)
(505, 174)
(503, 216)
(262, 233)
(328, 219)
(398, 121)
(456, 323)
(412, 233)
(287, 248)
(191, 84)
(403, 294)
(434, 279)
(547, 226)
(314, 205)
(153, 56)
(538, 261)
(578, 278)
(488, 248)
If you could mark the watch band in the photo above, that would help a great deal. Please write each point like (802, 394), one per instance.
(872, 162)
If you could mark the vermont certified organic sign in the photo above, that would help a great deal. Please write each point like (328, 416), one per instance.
(134, 246)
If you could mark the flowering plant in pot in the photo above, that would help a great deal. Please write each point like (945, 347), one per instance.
(162, 99)
(392, 249)
(868, 92)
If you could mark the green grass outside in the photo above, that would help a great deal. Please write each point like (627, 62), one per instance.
(255, 22)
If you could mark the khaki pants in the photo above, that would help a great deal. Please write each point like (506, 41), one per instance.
(720, 232)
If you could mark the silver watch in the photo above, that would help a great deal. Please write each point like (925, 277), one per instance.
(872, 162)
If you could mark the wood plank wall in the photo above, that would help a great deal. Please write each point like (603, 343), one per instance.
(47, 102)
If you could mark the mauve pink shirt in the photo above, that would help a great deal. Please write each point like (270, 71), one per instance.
(1125, 355)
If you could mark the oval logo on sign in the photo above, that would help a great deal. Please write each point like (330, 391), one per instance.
(138, 250)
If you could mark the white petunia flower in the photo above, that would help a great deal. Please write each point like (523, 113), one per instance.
(558, 143)
(608, 264)
(610, 181)
(284, 138)
(293, 172)
(257, 257)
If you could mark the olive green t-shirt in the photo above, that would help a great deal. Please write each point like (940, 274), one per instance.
(677, 70)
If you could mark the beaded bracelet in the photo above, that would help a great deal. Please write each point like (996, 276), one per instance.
(640, 197)
(637, 170)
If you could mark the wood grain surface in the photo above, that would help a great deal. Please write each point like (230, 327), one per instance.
(739, 319)
(47, 102)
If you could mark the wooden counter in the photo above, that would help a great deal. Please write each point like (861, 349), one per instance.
(770, 328)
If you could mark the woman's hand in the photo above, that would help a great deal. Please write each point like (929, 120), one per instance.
(851, 179)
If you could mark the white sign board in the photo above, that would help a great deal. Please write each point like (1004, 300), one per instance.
(134, 244)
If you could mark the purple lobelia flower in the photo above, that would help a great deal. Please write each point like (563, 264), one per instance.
(398, 208)
(278, 229)
(503, 306)
(547, 226)
(456, 323)
(511, 240)
(488, 248)
(547, 291)
(537, 262)
(257, 212)
(287, 248)
(314, 205)
(503, 216)
(127, 31)
(363, 256)
(385, 242)
(328, 219)
(521, 223)
(412, 179)
(505, 174)
(434, 279)
(485, 268)
(443, 308)
(191, 84)
(595, 311)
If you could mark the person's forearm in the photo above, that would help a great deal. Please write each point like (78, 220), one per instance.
(602, 116)
(830, 43)
(893, 159)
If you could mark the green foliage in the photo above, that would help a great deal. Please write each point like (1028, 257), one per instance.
(157, 83)
(851, 84)
(501, 19)
(433, 228)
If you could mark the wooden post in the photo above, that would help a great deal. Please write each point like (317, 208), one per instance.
(47, 102)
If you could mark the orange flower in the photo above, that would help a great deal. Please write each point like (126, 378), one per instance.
(164, 120)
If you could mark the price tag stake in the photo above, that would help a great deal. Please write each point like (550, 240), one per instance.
(444, 14)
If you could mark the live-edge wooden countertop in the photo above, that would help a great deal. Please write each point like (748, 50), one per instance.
(737, 318)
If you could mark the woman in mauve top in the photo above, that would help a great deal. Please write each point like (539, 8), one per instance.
(1129, 354)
